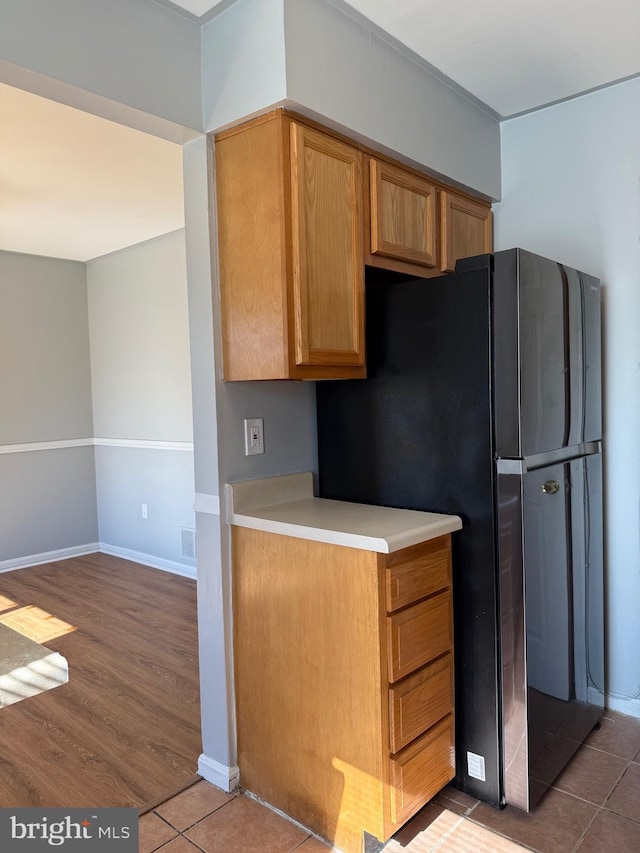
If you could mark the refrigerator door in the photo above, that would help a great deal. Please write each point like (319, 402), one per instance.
(547, 355)
(550, 548)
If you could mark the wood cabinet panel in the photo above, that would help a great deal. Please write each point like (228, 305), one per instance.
(421, 770)
(417, 702)
(253, 265)
(465, 229)
(417, 635)
(328, 264)
(402, 214)
(417, 572)
(290, 235)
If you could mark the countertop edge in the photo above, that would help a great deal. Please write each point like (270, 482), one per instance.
(379, 544)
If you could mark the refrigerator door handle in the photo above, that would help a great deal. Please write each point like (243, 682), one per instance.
(552, 457)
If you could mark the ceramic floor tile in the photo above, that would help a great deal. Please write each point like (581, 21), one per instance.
(611, 832)
(468, 836)
(312, 845)
(618, 735)
(424, 836)
(555, 826)
(198, 801)
(153, 833)
(245, 826)
(179, 845)
(454, 800)
(422, 822)
(625, 799)
(591, 775)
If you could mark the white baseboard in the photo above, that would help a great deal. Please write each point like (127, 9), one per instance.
(49, 557)
(91, 548)
(148, 560)
(218, 774)
(630, 707)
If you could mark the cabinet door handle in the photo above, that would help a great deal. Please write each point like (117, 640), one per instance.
(551, 487)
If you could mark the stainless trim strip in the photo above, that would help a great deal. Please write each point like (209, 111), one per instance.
(551, 457)
(511, 466)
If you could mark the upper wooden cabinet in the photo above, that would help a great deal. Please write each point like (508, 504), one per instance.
(290, 229)
(402, 216)
(300, 212)
(465, 229)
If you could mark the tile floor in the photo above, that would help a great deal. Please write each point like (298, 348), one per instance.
(593, 807)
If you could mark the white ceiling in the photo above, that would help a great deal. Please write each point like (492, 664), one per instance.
(514, 55)
(83, 187)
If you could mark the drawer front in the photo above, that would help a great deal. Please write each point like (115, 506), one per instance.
(415, 573)
(421, 770)
(418, 702)
(418, 635)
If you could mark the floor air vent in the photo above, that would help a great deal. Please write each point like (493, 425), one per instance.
(188, 543)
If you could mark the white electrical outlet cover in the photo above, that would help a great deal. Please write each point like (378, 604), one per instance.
(475, 766)
(253, 436)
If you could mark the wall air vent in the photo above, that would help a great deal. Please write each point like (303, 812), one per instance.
(188, 538)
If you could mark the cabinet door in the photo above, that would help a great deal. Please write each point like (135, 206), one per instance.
(465, 229)
(403, 222)
(327, 250)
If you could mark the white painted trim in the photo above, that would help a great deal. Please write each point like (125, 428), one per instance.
(49, 557)
(139, 443)
(144, 444)
(209, 504)
(218, 774)
(172, 566)
(630, 707)
(46, 445)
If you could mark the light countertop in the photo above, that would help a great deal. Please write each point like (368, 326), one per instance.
(27, 668)
(286, 505)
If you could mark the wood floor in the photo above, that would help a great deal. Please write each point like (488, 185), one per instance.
(125, 730)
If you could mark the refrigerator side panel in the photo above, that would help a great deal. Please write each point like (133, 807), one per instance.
(417, 433)
(506, 354)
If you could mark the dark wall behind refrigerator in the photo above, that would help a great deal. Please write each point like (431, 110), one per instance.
(417, 434)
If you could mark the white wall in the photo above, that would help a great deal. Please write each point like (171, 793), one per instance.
(571, 191)
(141, 379)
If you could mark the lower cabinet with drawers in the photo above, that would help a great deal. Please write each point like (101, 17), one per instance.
(344, 681)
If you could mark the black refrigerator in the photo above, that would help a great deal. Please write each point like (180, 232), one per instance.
(483, 399)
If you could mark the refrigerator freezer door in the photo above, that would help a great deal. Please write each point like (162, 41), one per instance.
(547, 355)
(550, 549)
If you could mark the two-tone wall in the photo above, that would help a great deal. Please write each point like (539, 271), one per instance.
(47, 473)
(141, 380)
(95, 390)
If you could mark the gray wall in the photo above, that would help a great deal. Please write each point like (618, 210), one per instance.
(141, 379)
(48, 496)
(139, 54)
(346, 69)
(47, 505)
(44, 350)
(139, 330)
(323, 57)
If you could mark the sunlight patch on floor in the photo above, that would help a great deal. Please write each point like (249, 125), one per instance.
(36, 624)
(6, 603)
